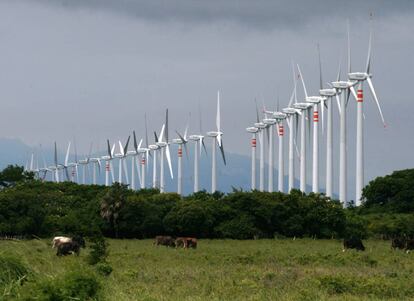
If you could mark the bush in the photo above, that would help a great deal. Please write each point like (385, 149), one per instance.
(103, 268)
(98, 251)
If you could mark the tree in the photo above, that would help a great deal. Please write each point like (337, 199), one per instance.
(13, 174)
(112, 203)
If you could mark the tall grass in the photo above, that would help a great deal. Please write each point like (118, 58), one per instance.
(303, 269)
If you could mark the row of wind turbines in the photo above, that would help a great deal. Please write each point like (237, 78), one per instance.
(159, 152)
(299, 115)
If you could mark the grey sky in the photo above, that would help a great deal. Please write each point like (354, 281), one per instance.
(91, 69)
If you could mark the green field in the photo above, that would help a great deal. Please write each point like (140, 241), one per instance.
(301, 269)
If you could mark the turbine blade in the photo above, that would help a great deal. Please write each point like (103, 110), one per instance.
(139, 145)
(168, 155)
(90, 152)
(204, 146)
(166, 126)
(371, 87)
(135, 141)
(338, 76)
(303, 82)
(218, 112)
(338, 102)
(113, 150)
(67, 155)
(320, 69)
(349, 48)
(155, 137)
(121, 149)
(126, 145)
(222, 153)
(56, 160)
(109, 148)
(162, 132)
(257, 112)
(369, 51)
(146, 131)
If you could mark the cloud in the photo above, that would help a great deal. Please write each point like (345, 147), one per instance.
(254, 14)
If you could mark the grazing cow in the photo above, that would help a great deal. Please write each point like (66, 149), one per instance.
(164, 241)
(192, 242)
(398, 243)
(409, 245)
(57, 240)
(70, 247)
(186, 242)
(353, 243)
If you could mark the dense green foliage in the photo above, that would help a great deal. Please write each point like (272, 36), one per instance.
(44, 209)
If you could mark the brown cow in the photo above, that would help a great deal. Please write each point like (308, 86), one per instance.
(164, 241)
(186, 242)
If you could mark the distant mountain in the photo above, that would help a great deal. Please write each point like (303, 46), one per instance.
(235, 174)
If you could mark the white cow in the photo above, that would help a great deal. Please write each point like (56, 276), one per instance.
(57, 240)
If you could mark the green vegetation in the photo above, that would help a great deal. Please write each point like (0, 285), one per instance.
(266, 269)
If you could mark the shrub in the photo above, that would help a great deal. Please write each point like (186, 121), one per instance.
(104, 268)
(98, 251)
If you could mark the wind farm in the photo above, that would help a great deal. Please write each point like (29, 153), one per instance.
(211, 150)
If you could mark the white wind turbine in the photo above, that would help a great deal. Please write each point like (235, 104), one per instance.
(155, 148)
(134, 154)
(292, 120)
(217, 140)
(269, 122)
(360, 77)
(315, 101)
(261, 129)
(74, 167)
(181, 141)
(164, 146)
(253, 131)
(123, 149)
(328, 94)
(144, 153)
(108, 162)
(84, 163)
(344, 88)
(304, 108)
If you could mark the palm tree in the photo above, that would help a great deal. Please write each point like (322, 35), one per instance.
(112, 203)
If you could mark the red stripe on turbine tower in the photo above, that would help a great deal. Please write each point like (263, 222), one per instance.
(253, 142)
(281, 130)
(316, 116)
(180, 152)
(107, 166)
(143, 161)
(360, 96)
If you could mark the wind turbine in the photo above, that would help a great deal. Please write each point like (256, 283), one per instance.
(164, 146)
(123, 149)
(261, 128)
(270, 122)
(359, 78)
(108, 162)
(74, 167)
(144, 152)
(85, 163)
(280, 117)
(344, 88)
(292, 122)
(328, 94)
(217, 139)
(154, 147)
(134, 161)
(303, 107)
(253, 131)
(315, 101)
(181, 141)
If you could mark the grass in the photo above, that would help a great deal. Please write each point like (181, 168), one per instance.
(303, 269)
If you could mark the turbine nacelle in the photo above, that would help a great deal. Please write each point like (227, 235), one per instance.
(195, 137)
(279, 115)
(177, 141)
(252, 130)
(290, 111)
(302, 105)
(153, 147)
(131, 153)
(327, 92)
(105, 158)
(269, 121)
(214, 134)
(358, 76)
(343, 84)
(260, 125)
(161, 144)
(315, 99)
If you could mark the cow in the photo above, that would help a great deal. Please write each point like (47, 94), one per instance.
(70, 247)
(398, 243)
(192, 242)
(353, 243)
(409, 245)
(186, 242)
(168, 241)
(57, 240)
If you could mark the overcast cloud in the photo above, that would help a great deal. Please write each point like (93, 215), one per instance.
(91, 69)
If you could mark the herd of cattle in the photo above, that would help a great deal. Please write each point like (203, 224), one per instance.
(72, 245)
(176, 242)
(401, 243)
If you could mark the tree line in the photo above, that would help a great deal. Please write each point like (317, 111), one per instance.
(29, 207)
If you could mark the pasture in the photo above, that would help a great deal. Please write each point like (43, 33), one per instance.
(279, 269)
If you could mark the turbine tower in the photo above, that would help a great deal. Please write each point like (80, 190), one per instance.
(344, 88)
(315, 101)
(280, 117)
(123, 149)
(181, 141)
(261, 128)
(108, 162)
(165, 151)
(217, 139)
(253, 131)
(360, 77)
(270, 122)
